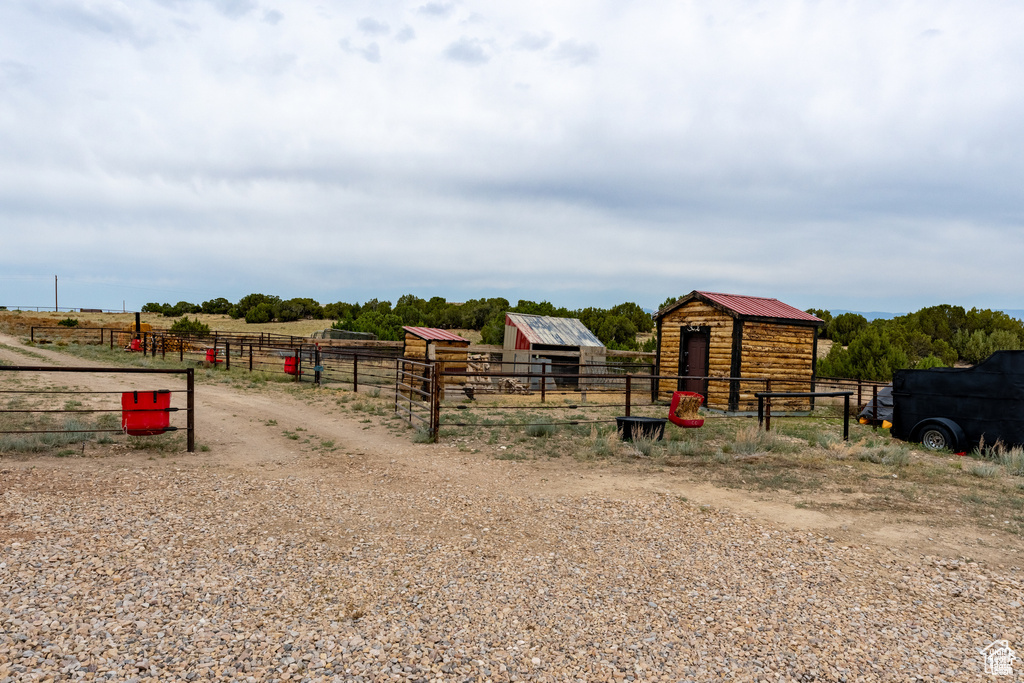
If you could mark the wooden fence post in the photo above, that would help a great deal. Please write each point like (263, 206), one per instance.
(629, 392)
(191, 411)
(874, 407)
(543, 381)
(846, 418)
(435, 404)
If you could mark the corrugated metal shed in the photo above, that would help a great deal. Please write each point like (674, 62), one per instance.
(434, 334)
(542, 329)
(754, 306)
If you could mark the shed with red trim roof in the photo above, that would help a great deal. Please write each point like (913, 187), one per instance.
(432, 343)
(725, 346)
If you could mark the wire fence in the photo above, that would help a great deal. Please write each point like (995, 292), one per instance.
(488, 391)
(143, 411)
(493, 399)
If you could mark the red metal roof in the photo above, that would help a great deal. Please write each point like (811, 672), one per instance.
(434, 334)
(758, 306)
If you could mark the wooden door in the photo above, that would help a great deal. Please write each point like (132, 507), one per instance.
(694, 361)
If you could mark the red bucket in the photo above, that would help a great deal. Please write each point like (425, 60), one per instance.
(675, 419)
(145, 413)
(211, 356)
(291, 365)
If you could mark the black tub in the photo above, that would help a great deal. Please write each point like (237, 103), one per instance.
(643, 427)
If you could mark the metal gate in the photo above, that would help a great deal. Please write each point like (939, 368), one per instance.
(417, 394)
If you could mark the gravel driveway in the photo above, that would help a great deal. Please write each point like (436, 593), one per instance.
(263, 560)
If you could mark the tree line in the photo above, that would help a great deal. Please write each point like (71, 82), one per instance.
(936, 336)
(617, 327)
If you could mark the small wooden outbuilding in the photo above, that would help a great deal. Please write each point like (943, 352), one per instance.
(708, 334)
(563, 346)
(431, 343)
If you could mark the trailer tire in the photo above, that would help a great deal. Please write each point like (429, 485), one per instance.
(937, 438)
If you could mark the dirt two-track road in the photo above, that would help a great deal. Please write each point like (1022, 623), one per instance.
(309, 545)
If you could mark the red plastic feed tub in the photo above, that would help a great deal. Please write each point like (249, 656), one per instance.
(145, 413)
(675, 419)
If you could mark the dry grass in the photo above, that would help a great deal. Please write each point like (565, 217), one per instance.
(18, 323)
(803, 457)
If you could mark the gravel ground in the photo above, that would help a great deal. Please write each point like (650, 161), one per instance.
(265, 559)
(131, 569)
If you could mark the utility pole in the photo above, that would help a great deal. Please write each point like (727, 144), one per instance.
(55, 308)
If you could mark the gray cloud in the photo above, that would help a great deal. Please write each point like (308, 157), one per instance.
(467, 51)
(107, 22)
(576, 54)
(15, 73)
(369, 52)
(533, 41)
(439, 10)
(234, 9)
(373, 27)
(272, 16)
(756, 141)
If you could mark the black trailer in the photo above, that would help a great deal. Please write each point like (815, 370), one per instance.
(955, 408)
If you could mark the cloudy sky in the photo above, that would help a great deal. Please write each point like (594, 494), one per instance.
(834, 154)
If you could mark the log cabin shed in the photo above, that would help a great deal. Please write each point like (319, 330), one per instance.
(431, 343)
(564, 345)
(709, 334)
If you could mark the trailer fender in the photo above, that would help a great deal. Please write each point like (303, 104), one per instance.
(938, 434)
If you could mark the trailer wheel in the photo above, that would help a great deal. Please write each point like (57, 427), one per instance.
(936, 438)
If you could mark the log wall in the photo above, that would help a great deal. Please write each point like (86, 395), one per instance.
(698, 314)
(779, 352)
(415, 347)
(453, 355)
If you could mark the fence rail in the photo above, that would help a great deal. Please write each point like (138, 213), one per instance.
(593, 394)
(75, 331)
(425, 392)
(189, 392)
(417, 394)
